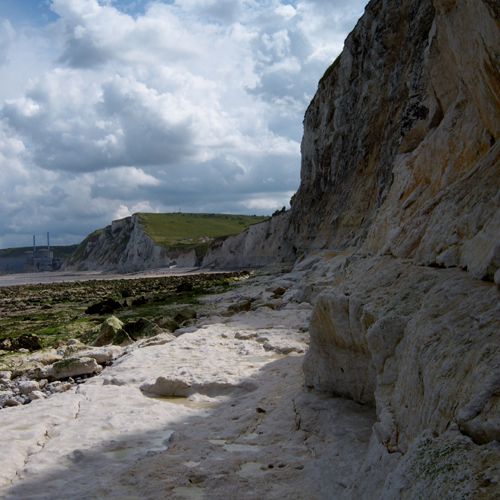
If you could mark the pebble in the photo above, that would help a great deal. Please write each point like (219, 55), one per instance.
(12, 402)
(27, 386)
(36, 395)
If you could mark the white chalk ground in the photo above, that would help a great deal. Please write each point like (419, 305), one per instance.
(219, 413)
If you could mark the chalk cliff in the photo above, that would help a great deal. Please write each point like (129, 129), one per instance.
(264, 244)
(124, 246)
(400, 190)
(400, 152)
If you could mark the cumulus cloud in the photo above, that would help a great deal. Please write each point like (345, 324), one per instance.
(152, 106)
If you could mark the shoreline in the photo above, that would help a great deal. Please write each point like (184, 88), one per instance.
(49, 277)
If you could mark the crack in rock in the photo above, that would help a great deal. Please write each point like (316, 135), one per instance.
(41, 443)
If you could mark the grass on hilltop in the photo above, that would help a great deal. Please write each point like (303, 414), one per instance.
(182, 229)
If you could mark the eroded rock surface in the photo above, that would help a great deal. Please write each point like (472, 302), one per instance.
(400, 152)
(218, 412)
(400, 189)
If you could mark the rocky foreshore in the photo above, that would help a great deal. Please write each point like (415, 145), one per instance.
(52, 371)
(218, 408)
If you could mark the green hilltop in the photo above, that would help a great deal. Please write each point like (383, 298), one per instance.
(184, 229)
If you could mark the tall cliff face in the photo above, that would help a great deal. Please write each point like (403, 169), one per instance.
(124, 246)
(400, 153)
(401, 179)
(264, 244)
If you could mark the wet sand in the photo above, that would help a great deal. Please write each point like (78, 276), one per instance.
(71, 276)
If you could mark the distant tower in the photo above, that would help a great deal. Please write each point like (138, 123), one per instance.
(34, 245)
(48, 241)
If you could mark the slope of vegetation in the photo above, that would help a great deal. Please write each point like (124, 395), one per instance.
(182, 229)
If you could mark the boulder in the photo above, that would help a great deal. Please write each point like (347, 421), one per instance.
(106, 306)
(74, 367)
(26, 341)
(27, 386)
(141, 328)
(102, 355)
(108, 331)
(36, 395)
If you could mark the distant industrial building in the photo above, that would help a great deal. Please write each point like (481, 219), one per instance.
(42, 259)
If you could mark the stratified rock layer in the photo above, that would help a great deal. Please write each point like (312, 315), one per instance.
(401, 180)
(400, 151)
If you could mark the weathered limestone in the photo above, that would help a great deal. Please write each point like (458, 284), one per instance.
(420, 343)
(400, 151)
(73, 367)
(401, 171)
(262, 244)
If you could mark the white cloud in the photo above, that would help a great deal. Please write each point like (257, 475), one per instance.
(286, 11)
(193, 104)
(7, 35)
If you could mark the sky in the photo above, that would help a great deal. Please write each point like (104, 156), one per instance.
(111, 107)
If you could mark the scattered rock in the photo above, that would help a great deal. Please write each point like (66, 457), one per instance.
(72, 367)
(58, 386)
(46, 357)
(36, 395)
(27, 341)
(168, 323)
(109, 331)
(141, 328)
(27, 386)
(278, 292)
(242, 306)
(140, 301)
(106, 306)
(12, 402)
(283, 346)
(103, 355)
(185, 286)
(246, 335)
(184, 315)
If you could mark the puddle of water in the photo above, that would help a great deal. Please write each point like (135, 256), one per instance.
(189, 492)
